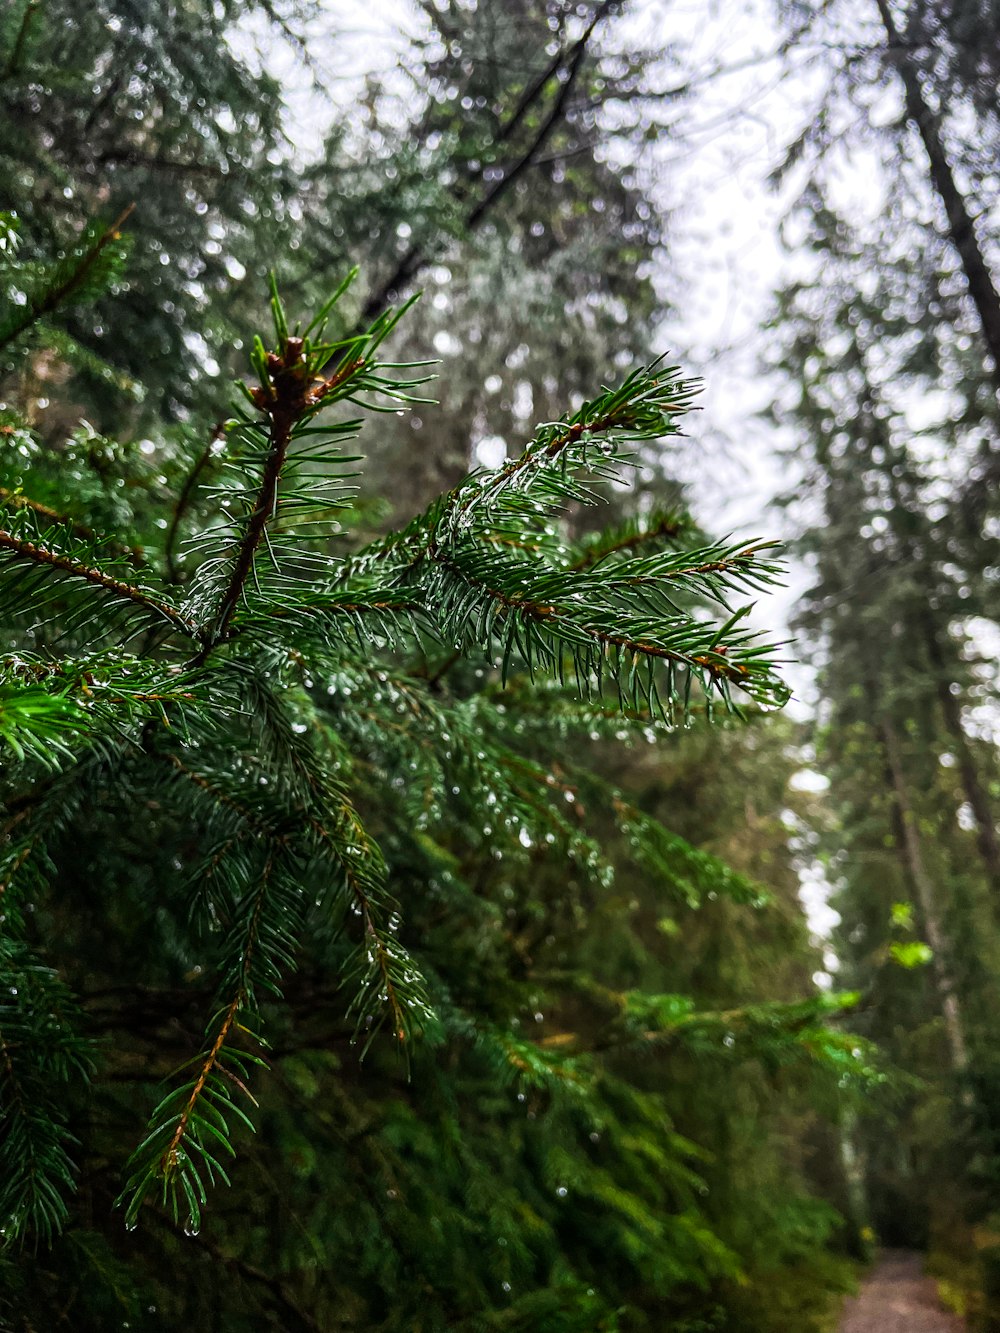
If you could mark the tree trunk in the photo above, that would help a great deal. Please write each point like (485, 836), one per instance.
(961, 228)
(906, 504)
(913, 857)
(975, 791)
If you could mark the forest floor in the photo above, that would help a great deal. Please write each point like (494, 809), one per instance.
(896, 1297)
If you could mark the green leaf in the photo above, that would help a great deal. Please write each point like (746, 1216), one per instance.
(911, 953)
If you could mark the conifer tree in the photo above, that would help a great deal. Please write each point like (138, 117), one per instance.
(109, 105)
(507, 196)
(935, 226)
(256, 797)
(890, 620)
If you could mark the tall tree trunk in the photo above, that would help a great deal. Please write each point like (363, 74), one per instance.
(906, 503)
(972, 784)
(961, 227)
(913, 857)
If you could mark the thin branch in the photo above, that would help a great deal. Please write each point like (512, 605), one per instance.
(551, 618)
(283, 410)
(288, 393)
(58, 296)
(169, 1159)
(131, 157)
(362, 900)
(530, 95)
(41, 555)
(666, 528)
(417, 257)
(547, 127)
(555, 446)
(16, 501)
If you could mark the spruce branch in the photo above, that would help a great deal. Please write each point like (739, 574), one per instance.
(15, 500)
(33, 550)
(192, 1123)
(41, 1059)
(388, 984)
(170, 1159)
(282, 397)
(536, 615)
(294, 713)
(609, 623)
(646, 406)
(295, 384)
(321, 822)
(38, 723)
(669, 526)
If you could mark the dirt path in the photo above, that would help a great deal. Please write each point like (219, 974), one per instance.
(897, 1298)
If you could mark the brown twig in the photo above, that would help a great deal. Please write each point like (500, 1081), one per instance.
(41, 555)
(135, 554)
(550, 615)
(287, 394)
(169, 1159)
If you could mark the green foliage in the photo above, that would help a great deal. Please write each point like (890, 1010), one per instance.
(35, 291)
(441, 798)
(911, 953)
(264, 599)
(40, 1053)
(310, 750)
(34, 721)
(191, 139)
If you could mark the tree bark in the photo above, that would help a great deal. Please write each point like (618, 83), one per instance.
(972, 784)
(906, 505)
(961, 227)
(913, 858)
